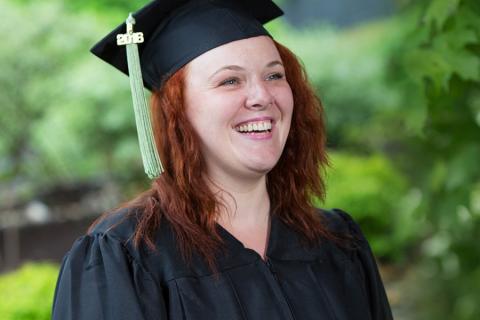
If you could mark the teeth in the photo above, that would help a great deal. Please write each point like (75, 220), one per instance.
(255, 126)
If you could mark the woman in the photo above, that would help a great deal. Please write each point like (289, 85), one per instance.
(228, 231)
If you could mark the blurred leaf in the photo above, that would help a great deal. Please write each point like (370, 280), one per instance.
(358, 185)
(463, 167)
(27, 293)
(439, 11)
(429, 63)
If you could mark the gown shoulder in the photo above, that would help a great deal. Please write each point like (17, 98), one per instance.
(340, 222)
(100, 277)
(357, 251)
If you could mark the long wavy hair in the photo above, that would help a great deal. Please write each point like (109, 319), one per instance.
(181, 195)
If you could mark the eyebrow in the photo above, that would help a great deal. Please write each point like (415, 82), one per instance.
(274, 63)
(238, 68)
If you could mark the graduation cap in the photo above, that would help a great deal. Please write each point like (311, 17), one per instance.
(168, 34)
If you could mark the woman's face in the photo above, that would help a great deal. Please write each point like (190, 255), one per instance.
(240, 105)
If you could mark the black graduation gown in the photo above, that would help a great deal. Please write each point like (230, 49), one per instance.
(105, 277)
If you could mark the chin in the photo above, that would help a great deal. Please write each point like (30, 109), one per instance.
(260, 171)
(260, 163)
(261, 168)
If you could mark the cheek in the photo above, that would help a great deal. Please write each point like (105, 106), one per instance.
(198, 123)
(284, 99)
(198, 109)
(208, 119)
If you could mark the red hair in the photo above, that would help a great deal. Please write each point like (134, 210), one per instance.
(181, 195)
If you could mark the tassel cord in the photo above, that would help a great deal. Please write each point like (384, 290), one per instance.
(151, 159)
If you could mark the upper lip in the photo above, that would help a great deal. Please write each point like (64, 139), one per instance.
(264, 118)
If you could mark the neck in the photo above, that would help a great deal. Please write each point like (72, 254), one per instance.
(246, 202)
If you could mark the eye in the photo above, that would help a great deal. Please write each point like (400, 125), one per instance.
(275, 76)
(230, 82)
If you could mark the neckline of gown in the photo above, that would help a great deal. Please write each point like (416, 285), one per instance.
(283, 243)
(235, 243)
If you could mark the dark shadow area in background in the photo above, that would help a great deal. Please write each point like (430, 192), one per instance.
(340, 13)
(39, 242)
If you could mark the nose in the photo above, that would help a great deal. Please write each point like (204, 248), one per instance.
(259, 96)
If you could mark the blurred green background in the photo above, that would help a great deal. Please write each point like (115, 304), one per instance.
(402, 97)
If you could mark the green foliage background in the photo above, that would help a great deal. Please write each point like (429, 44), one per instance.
(27, 293)
(402, 97)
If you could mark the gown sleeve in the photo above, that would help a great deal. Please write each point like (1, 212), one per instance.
(379, 305)
(99, 279)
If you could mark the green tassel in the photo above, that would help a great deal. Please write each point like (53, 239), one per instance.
(151, 160)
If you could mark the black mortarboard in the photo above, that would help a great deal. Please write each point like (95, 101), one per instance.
(169, 34)
(177, 31)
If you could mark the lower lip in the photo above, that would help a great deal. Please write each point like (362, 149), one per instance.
(258, 135)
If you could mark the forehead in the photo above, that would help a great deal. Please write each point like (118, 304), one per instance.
(247, 53)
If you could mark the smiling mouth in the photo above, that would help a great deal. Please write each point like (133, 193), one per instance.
(255, 127)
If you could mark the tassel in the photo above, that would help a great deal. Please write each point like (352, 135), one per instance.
(151, 160)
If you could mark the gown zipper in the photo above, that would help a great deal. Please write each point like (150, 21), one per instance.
(275, 277)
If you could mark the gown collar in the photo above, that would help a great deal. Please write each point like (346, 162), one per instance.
(283, 244)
